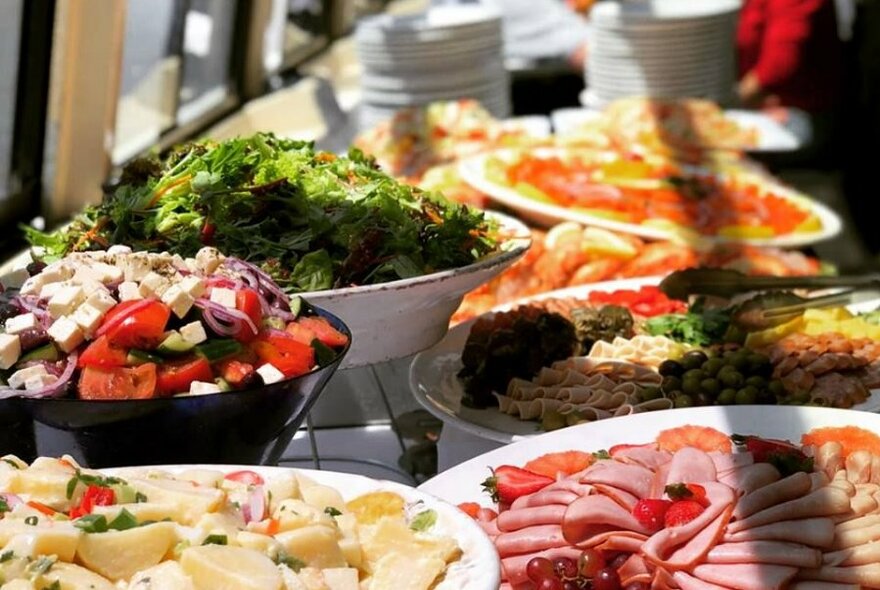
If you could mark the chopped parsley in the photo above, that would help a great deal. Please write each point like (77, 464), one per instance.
(56, 585)
(216, 540)
(41, 565)
(423, 521)
(293, 563)
(90, 480)
(6, 556)
(602, 455)
(4, 507)
(12, 463)
(331, 511)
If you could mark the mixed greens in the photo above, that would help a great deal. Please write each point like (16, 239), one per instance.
(310, 219)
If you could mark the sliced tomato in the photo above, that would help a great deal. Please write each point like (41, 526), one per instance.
(135, 324)
(235, 372)
(247, 477)
(101, 353)
(300, 333)
(176, 377)
(289, 356)
(326, 333)
(94, 496)
(248, 302)
(97, 383)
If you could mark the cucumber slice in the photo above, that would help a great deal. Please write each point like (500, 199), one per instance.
(276, 323)
(47, 352)
(324, 355)
(296, 306)
(175, 344)
(215, 350)
(139, 357)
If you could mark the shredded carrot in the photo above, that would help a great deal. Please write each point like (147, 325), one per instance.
(92, 234)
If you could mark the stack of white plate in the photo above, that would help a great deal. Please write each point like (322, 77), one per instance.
(662, 49)
(446, 53)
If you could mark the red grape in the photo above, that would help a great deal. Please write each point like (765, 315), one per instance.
(565, 567)
(550, 584)
(590, 562)
(539, 569)
(618, 561)
(572, 585)
(637, 586)
(606, 579)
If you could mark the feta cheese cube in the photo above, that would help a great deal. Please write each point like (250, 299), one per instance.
(208, 259)
(101, 300)
(154, 285)
(60, 270)
(128, 290)
(178, 300)
(87, 318)
(108, 272)
(118, 249)
(10, 350)
(203, 388)
(66, 333)
(49, 290)
(194, 332)
(86, 275)
(193, 285)
(16, 278)
(270, 373)
(223, 296)
(20, 323)
(135, 266)
(39, 381)
(18, 379)
(33, 285)
(65, 301)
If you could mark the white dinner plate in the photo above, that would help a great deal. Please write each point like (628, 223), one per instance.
(473, 171)
(462, 483)
(478, 568)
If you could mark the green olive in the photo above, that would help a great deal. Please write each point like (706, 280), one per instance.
(800, 399)
(683, 401)
(693, 359)
(756, 381)
(691, 386)
(727, 397)
(670, 368)
(740, 361)
(704, 399)
(710, 386)
(650, 393)
(759, 364)
(670, 384)
(747, 395)
(697, 374)
(712, 366)
(732, 378)
(776, 388)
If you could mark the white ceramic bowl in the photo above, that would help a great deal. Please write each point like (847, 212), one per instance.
(478, 568)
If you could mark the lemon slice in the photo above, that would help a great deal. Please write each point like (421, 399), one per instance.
(746, 231)
(555, 234)
(601, 241)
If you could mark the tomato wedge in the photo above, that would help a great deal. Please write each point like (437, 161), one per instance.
(102, 383)
(136, 324)
(247, 477)
(300, 333)
(248, 302)
(176, 377)
(286, 354)
(101, 353)
(326, 333)
(235, 372)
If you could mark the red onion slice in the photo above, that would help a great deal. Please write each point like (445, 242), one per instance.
(121, 317)
(11, 500)
(255, 508)
(216, 313)
(53, 389)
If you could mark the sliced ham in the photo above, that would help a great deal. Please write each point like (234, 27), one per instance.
(688, 582)
(858, 466)
(823, 502)
(819, 479)
(727, 462)
(594, 515)
(746, 576)
(659, 482)
(793, 486)
(863, 575)
(708, 526)
(625, 542)
(862, 504)
(545, 497)
(858, 523)
(634, 569)
(858, 536)
(514, 520)
(490, 527)
(875, 469)
(751, 477)
(646, 456)
(624, 499)
(530, 540)
(514, 568)
(691, 465)
(634, 479)
(859, 555)
(774, 552)
(814, 585)
(829, 458)
(696, 549)
(840, 481)
(815, 532)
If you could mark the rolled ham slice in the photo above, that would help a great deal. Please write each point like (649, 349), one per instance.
(514, 568)
(773, 552)
(626, 542)
(691, 466)
(814, 585)
(815, 532)
(875, 469)
(746, 576)
(858, 536)
(793, 486)
(545, 497)
(530, 540)
(829, 458)
(727, 462)
(863, 575)
(819, 479)
(686, 581)
(862, 504)
(859, 555)
(596, 514)
(490, 527)
(824, 502)
(634, 479)
(634, 569)
(624, 499)
(514, 520)
(858, 466)
(751, 477)
(646, 456)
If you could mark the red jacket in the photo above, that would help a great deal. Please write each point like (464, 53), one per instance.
(794, 49)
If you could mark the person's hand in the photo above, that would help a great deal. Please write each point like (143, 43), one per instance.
(749, 91)
(578, 57)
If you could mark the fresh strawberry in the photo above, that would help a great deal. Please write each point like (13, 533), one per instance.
(565, 463)
(782, 454)
(509, 483)
(470, 508)
(682, 512)
(651, 513)
(687, 491)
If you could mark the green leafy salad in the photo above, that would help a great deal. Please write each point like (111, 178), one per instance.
(310, 219)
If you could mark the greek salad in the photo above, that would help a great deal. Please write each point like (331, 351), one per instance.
(116, 324)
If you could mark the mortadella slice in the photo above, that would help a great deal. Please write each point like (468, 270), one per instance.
(824, 502)
(727, 462)
(646, 456)
(773, 552)
(514, 520)
(793, 486)
(691, 465)
(858, 555)
(623, 498)
(815, 532)
(686, 581)
(545, 497)
(863, 575)
(746, 576)
(634, 479)
(530, 540)
(596, 514)
(751, 477)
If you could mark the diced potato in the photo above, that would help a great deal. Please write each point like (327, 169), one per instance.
(294, 514)
(46, 482)
(308, 578)
(165, 576)
(209, 478)
(394, 536)
(119, 555)
(283, 487)
(19, 584)
(263, 543)
(344, 578)
(370, 508)
(445, 548)
(218, 567)
(142, 511)
(59, 540)
(351, 549)
(317, 545)
(406, 572)
(13, 568)
(13, 462)
(291, 580)
(323, 496)
(217, 523)
(192, 501)
(74, 577)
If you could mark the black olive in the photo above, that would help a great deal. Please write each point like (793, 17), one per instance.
(31, 339)
(670, 368)
(35, 267)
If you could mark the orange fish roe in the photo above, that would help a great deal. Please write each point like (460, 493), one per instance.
(699, 437)
(566, 463)
(852, 438)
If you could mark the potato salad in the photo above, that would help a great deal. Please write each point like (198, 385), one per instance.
(63, 527)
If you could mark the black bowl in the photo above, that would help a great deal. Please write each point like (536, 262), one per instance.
(242, 427)
(16, 430)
